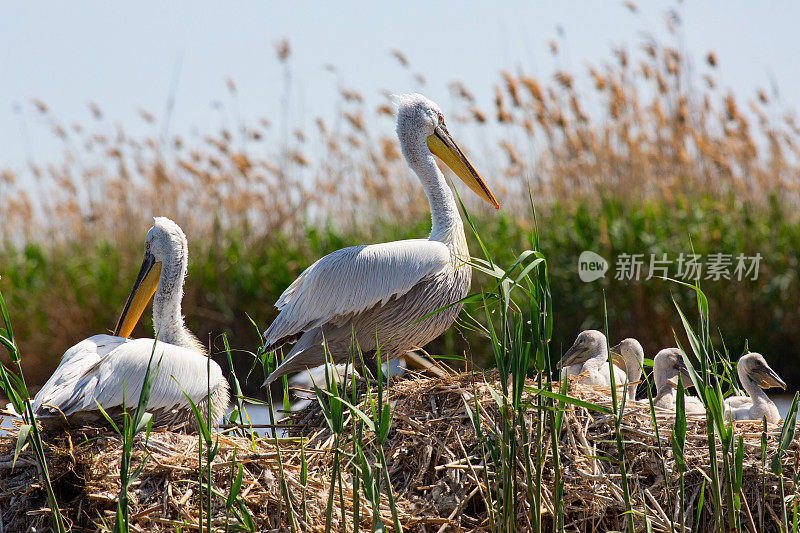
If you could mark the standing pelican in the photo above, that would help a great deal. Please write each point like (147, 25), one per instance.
(754, 374)
(588, 358)
(667, 365)
(103, 369)
(376, 294)
(632, 353)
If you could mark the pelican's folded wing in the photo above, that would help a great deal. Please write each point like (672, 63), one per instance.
(72, 366)
(352, 280)
(118, 377)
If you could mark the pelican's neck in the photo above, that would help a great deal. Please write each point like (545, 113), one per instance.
(633, 370)
(664, 389)
(665, 396)
(167, 318)
(632, 389)
(755, 392)
(446, 225)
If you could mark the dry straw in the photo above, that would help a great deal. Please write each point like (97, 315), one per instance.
(433, 455)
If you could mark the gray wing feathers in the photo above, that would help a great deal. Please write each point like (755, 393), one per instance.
(352, 280)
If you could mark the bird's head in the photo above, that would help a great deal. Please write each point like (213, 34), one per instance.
(164, 240)
(756, 368)
(418, 118)
(588, 344)
(670, 364)
(630, 351)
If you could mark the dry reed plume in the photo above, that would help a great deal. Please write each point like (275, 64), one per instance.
(643, 128)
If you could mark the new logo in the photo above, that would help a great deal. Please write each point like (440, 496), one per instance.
(591, 266)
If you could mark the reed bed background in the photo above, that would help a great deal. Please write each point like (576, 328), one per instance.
(640, 154)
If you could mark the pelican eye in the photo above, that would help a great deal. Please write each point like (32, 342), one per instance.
(441, 119)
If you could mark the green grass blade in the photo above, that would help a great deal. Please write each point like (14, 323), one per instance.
(22, 437)
(569, 400)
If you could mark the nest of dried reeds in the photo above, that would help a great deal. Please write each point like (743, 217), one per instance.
(442, 479)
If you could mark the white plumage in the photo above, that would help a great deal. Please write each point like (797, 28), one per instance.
(376, 294)
(109, 370)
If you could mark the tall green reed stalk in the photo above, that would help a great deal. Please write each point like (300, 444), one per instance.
(209, 441)
(776, 465)
(660, 446)
(269, 361)
(519, 336)
(541, 322)
(238, 412)
(370, 467)
(234, 503)
(511, 341)
(678, 448)
(617, 412)
(332, 406)
(514, 335)
(708, 388)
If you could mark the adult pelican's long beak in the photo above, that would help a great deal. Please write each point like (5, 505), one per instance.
(442, 146)
(143, 289)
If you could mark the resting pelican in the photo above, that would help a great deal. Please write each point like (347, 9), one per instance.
(632, 353)
(103, 368)
(667, 365)
(377, 293)
(588, 357)
(754, 375)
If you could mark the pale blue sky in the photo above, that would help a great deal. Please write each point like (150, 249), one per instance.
(124, 57)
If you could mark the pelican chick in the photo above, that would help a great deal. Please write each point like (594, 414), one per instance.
(668, 364)
(104, 369)
(754, 375)
(632, 353)
(377, 294)
(588, 358)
